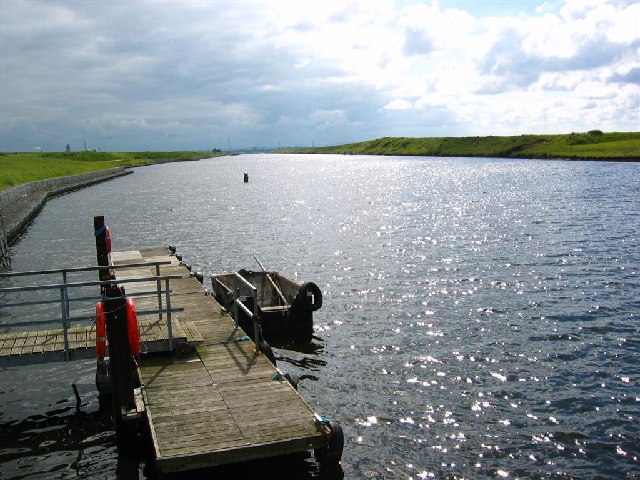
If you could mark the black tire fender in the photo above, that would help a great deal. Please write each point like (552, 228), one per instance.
(332, 454)
(266, 349)
(309, 296)
(293, 379)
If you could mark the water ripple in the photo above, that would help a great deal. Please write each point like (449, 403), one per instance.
(480, 316)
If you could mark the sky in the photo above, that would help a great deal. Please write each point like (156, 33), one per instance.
(204, 74)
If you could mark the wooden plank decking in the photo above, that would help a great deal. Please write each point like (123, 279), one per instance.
(18, 348)
(226, 403)
(44, 346)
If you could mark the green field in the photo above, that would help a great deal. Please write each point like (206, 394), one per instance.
(593, 145)
(18, 168)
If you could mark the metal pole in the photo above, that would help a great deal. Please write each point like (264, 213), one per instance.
(159, 286)
(235, 305)
(65, 324)
(65, 314)
(255, 302)
(256, 334)
(252, 317)
(169, 326)
(256, 324)
(66, 294)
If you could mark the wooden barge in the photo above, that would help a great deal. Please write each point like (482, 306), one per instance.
(282, 305)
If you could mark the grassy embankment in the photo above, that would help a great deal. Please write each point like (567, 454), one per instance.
(19, 168)
(621, 146)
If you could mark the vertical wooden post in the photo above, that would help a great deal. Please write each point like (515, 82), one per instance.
(122, 369)
(121, 365)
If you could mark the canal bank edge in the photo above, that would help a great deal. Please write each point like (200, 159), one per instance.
(20, 204)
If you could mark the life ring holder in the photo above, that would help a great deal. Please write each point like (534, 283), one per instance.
(133, 329)
(107, 238)
(101, 331)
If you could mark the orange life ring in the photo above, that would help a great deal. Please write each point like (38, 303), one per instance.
(101, 331)
(107, 237)
(132, 327)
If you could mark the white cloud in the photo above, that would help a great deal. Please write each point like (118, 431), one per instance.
(398, 104)
(258, 69)
(328, 118)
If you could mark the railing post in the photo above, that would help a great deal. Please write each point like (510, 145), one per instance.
(65, 314)
(256, 334)
(66, 294)
(255, 302)
(254, 315)
(159, 286)
(169, 326)
(65, 323)
(256, 323)
(235, 306)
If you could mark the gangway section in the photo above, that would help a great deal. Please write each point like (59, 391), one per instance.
(71, 334)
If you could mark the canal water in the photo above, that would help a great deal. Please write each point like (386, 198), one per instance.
(481, 317)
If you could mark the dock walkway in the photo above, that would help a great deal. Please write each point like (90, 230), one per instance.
(44, 346)
(225, 403)
(20, 346)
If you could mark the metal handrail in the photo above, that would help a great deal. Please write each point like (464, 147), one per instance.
(93, 268)
(78, 299)
(91, 283)
(85, 318)
(254, 292)
(65, 301)
(252, 315)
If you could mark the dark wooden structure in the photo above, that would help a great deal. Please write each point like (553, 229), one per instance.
(206, 392)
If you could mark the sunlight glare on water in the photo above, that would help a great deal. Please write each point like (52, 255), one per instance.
(480, 316)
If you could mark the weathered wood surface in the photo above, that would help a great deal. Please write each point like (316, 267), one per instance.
(226, 403)
(43, 346)
(19, 348)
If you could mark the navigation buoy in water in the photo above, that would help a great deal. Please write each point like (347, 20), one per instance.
(246, 178)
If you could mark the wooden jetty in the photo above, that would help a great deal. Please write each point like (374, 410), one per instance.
(207, 394)
(225, 403)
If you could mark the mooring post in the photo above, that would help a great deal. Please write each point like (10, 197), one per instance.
(122, 368)
(100, 231)
(121, 365)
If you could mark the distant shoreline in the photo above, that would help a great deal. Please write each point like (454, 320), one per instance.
(24, 167)
(594, 145)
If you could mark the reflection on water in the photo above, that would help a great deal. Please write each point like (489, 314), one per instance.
(480, 316)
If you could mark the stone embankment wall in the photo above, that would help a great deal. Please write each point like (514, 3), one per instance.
(18, 205)
(11, 195)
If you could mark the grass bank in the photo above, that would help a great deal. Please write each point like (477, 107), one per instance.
(19, 168)
(593, 145)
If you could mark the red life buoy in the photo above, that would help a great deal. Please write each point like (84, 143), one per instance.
(107, 237)
(132, 327)
(101, 331)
